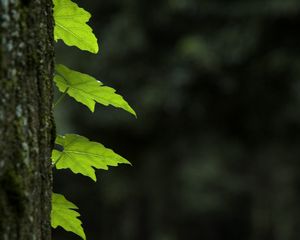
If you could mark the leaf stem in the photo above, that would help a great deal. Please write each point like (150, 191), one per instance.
(61, 97)
(54, 164)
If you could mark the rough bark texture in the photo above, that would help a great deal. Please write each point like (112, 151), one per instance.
(26, 122)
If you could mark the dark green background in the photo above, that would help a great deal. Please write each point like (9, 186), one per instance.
(216, 146)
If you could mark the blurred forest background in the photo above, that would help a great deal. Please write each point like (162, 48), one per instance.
(216, 146)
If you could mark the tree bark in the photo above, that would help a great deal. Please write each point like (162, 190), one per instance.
(26, 121)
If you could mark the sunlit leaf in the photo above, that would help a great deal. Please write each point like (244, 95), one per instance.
(87, 90)
(81, 155)
(71, 26)
(64, 215)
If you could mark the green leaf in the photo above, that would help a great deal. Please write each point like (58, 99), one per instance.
(64, 215)
(82, 156)
(87, 90)
(70, 26)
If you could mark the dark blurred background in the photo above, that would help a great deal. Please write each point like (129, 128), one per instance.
(216, 146)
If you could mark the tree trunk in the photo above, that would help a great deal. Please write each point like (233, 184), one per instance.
(26, 122)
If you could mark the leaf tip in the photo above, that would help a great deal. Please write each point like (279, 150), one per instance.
(95, 50)
(130, 110)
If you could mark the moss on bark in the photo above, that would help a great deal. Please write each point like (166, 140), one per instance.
(26, 121)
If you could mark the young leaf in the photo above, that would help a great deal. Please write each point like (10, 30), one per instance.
(70, 26)
(82, 156)
(87, 90)
(64, 215)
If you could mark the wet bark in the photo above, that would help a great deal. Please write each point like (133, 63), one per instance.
(26, 122)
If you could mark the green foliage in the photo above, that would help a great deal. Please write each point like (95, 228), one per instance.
(80, 155)
(71, 27)
(64, 215)
(87, 90)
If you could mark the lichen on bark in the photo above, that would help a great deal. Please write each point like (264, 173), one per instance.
(26, 121)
